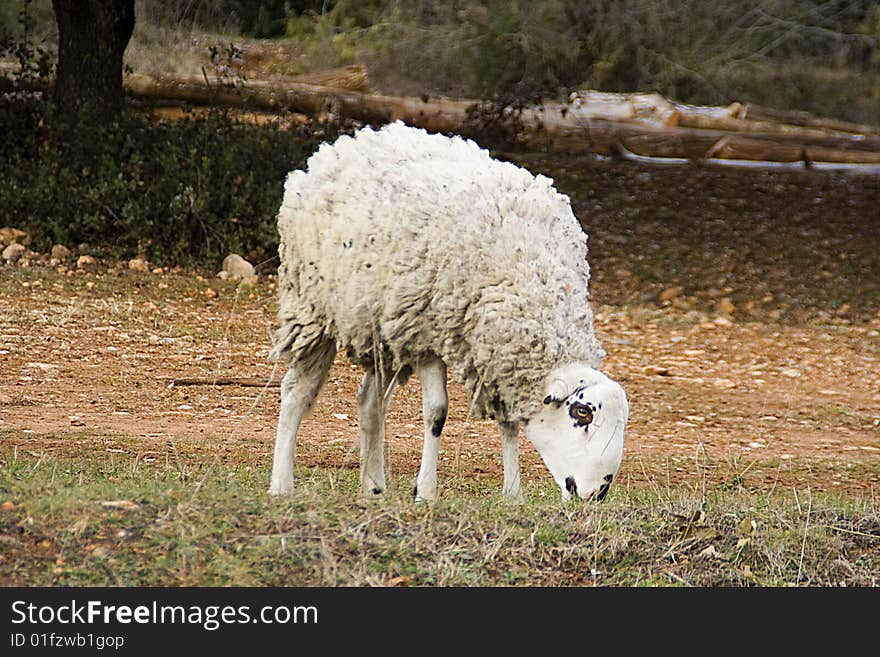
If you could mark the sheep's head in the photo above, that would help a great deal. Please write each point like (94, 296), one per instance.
(579, 430)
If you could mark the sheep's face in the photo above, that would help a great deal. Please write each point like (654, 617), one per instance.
(579, 430)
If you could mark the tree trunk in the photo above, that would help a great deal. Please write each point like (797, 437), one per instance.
(92, 35)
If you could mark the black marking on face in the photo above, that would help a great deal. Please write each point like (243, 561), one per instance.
(377, 491)
(437, 427)
(604, 488)
(571, 486)
(582, 413)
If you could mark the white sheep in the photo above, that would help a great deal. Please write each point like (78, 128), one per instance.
(418, 252)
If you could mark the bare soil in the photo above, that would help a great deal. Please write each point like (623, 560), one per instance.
(740, 310)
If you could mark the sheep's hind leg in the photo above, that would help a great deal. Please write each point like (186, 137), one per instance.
(512, 488)
(299, 387)
(435, 405)
(373, 398)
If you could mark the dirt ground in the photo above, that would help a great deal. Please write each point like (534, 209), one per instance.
(739, 309)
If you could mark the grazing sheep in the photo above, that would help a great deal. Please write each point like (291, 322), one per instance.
(418, 252)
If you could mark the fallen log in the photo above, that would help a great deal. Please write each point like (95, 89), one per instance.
(655, 109)
(351, 78)
(569, 133)
(642, 124)
(747, 148)
(650, 108)
(553, 126)
(437, 115)
(800, 118)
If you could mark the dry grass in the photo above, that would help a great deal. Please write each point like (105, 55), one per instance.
(68, 522)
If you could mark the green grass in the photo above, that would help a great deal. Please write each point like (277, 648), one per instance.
(184, 524)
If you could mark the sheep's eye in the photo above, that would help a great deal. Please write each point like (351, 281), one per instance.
(582, 414)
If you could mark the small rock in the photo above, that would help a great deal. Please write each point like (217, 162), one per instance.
(86, 261)
(669, 294)
(14, 252)
(8, 235)
(139, 265)
(724, 383)
(238, 268)
(60, 252)
(656, 370)
(125, 505)
(7, 506)
(726, 306)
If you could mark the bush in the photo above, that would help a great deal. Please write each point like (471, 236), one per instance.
(692, 51)
(179, 193)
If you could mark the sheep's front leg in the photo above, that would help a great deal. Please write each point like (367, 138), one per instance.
(299, 387)
(512, 488)
(435, 405)
(373, 398)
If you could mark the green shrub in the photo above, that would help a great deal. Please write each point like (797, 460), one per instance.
(813, 55)
(187, 192)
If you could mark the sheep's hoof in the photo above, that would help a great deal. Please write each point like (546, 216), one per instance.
(424, 496)
(372, 492)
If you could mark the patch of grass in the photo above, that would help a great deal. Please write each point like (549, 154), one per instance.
(113, 520)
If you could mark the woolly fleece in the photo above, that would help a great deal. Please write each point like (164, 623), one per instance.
(426, 245)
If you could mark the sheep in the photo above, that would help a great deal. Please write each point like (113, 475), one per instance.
(417, 252)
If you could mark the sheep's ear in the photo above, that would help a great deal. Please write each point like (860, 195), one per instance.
(556, 393)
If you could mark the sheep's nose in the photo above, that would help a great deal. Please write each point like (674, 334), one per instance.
(570, 486)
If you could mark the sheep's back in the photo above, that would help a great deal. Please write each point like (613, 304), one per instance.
(416, 241)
